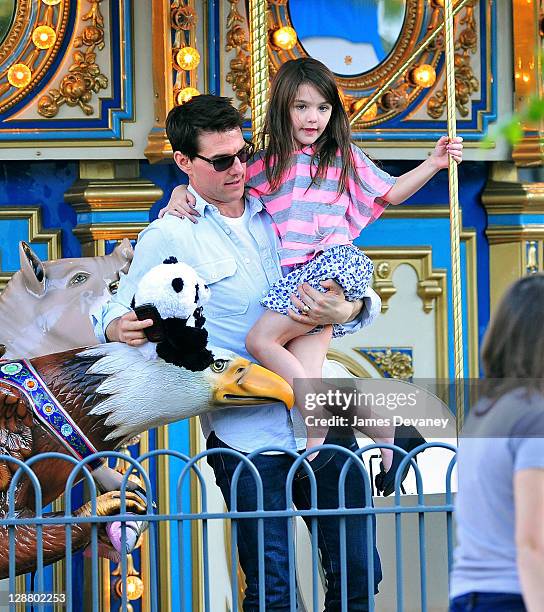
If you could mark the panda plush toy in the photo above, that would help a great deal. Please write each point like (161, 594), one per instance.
(172, 294)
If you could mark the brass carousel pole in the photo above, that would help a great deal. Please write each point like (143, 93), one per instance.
(258, 36)
(454, 216)
(259, 63)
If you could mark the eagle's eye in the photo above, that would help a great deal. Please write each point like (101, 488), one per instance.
(219, 365)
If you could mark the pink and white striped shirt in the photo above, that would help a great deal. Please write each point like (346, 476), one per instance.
(312, 220)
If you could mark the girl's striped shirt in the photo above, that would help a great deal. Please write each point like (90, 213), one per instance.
(309, 220)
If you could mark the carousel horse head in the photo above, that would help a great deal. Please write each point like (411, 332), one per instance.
(45, 306)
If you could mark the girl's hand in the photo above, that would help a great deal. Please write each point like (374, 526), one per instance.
(324, 308)
(444, 148)
(181, 204)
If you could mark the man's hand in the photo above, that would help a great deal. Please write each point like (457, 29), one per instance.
(181, 204)
(324, 308)
(128, 329)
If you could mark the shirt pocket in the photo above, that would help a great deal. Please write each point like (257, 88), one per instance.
(229, 296)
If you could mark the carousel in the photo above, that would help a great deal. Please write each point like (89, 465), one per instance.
(85, 88)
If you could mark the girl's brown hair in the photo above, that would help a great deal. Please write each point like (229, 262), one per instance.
(278, 124)
(513, 347)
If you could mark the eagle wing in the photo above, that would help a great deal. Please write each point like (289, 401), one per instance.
(16, 420)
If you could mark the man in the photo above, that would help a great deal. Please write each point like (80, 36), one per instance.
(233, 248)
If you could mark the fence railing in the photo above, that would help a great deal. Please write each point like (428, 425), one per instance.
(306, 587)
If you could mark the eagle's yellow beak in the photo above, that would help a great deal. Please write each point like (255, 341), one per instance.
(244, 382)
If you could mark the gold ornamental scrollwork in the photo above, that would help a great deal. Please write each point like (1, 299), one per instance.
(84, 76)
(466, 82)
(183, 22)
(394, 364)
(239, 75)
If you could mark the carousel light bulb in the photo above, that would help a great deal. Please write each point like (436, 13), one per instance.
(51, 2)
(368, 115)
(423, 75)
(135, 587)
(19, 75)
(186, 94)
(284, 38)
(188, 58)
(44, 37)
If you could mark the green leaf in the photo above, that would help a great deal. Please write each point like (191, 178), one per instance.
(488, 142)
(512, 131)
(535, 110)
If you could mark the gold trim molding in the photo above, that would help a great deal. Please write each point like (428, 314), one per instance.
(113, 195)
(167, 17)
(432, 290)
(237, 40)
(354, 366)
(158, 147)
(502, 234)
(431, 283)
(22, 14)
(36, 233)
(505, 194)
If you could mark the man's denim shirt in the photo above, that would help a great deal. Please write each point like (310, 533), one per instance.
(237, 279)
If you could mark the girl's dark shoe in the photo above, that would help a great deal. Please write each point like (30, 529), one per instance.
(407, 438)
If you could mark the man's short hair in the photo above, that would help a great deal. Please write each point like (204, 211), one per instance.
(201, 114)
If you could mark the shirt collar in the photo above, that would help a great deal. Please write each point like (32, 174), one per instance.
(200, 204)
(255, 205)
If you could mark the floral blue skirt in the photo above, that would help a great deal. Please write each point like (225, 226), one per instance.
(345, 264)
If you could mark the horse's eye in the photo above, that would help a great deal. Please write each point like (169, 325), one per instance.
(219, 365)
(113, 286)
(79, 278)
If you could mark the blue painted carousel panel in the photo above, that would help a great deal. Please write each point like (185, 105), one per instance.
(181, 566)
(135, 216)
(11, 232)
(42, 184)
(165, 176)
(515, 219)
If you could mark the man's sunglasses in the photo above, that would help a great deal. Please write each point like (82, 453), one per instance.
(220, 164)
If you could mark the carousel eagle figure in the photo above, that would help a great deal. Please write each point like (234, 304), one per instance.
(81, 401)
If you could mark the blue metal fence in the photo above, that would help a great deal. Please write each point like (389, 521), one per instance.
(180, 514)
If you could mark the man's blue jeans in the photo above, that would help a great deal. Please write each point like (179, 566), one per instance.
(488, 602)
(273, 470)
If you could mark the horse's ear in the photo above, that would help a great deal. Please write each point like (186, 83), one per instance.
(124, 252)
(32, 270)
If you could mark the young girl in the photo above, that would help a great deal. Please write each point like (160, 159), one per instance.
(321, 191)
